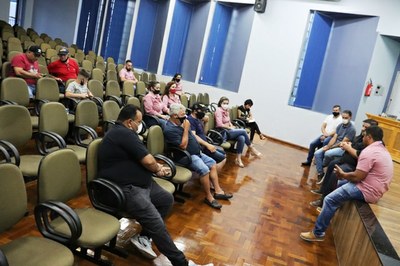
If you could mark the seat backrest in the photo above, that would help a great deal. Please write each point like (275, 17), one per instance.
(200, 98)
(13, 199)
(71, 51)
(11, 54)
(53, 118)
(96, 88)
(134, 101)
(59, 176)
(112, 75)
(87, 114)
(111, 111)
(98, 74)
(90, 58)
(145, 77)
(192, 100)
(120, 67)
(101, 65)
(42, 61)
(155, 140)
(38, 41)
(15, 124)
(141, 88)
(79, 56)
(43, 69)
(162, 87)
(110, 60)
(112, 88)
(92, 152)
(184, 100)
(87, 65)
(152, 77)
(44, 46)
(16, 90)
(99, 58)
(111, 66)
(128, 88)
(27, 44)
(210, 124)
(52, 44)
(233, 112)
(5, 70)
(47, 89)
(206, 99)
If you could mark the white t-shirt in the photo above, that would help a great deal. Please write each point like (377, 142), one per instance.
(332, 123)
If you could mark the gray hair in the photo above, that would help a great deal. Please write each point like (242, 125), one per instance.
(175, 108)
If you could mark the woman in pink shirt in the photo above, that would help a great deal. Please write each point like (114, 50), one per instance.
(154, 106)
(170, 96)
(177, 79)
(223, 120)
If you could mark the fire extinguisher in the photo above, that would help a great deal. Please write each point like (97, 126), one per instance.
(368, 88)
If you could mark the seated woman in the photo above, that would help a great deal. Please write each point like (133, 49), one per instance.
(170, 96)
(154, 106)
(177, 79)
(246, 116)
(222, 120)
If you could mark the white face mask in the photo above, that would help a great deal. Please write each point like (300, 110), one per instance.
(140, 127)
(224, 106)
(345, 121)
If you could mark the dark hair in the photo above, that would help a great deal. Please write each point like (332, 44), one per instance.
(336, 106)
(168, 86)
(152, 84)
(371, 122)
(84, 73)
(347, 112)
(223, 98)
(375, 132)
(176, 74)
(248, 102)
(198, 106)
(128, 61)
(127, 112)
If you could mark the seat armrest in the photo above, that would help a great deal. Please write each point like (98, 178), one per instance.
(38, 105)
(179, 156)
(169, 163)
(70, 103)
(3, 259)
(11, 151)
(7, 102)
(115, 99)
(44, 214)
(44, 138)
(215, 136)
(239, 123)
(114, 203)
(77, 134)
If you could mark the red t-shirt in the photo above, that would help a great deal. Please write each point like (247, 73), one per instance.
(22, 61)
(64, 71)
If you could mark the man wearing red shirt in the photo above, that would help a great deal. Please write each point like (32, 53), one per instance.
(63, 69)
(26, 66)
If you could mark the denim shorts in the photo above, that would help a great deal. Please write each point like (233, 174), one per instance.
(201, 164)
(218, 155)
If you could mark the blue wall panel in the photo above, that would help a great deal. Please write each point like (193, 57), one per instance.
(87, 24)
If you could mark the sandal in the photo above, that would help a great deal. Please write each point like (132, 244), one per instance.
(262, 136)
(239, 163)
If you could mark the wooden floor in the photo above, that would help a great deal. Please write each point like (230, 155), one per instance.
(259, 226)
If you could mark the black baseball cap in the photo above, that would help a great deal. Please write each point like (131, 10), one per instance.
(198, 106)
(63, 51)
(36, 50)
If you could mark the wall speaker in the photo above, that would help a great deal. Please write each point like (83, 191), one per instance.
(260, 5)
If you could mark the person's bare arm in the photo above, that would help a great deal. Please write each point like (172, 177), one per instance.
(355, 176)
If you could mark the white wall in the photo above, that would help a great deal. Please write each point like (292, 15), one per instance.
(4, 9)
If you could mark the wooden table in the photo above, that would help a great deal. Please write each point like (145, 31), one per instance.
(391, 134)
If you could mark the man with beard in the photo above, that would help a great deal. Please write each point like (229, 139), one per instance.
(126, 73)
(63, 69)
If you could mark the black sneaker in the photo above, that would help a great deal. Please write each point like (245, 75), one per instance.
(321, 177)
(316, 191)
(316, 203)
(305, 163)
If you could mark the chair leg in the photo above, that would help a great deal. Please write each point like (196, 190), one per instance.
(113, 248)
(95, 257)
(179, 191)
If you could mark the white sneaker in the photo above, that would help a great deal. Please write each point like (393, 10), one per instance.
(192, 263)
(143, 244)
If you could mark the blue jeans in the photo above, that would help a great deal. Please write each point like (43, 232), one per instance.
(329, 154)
(316, 144)
(240, 135)
(201, 164)
(347, 191)
(31, 90)
(219, 155)
(149, 206)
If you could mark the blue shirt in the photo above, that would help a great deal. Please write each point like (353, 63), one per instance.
(173, 136)
(197, 126)
(345, 131)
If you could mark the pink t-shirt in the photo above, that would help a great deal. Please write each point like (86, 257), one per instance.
(22, 61)
(377, 162)
(179, 88)
(221, 117)
(168, 100)
(123, 73)
(153, 104)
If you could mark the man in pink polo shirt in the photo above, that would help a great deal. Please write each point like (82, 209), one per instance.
(367, 183)
(126, 73)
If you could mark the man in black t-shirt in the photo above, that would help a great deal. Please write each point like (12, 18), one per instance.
(124, 159)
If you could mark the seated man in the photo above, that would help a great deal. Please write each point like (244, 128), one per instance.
(124, 160)
(78, 88)
(347, 162)
(177, 133)
(367, 183)
(126, 73)
(25, 66)
(328, 129)
(197, 119)
(63, 69)
(345, 132)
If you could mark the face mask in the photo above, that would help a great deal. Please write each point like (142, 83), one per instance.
(173, 91)
(177, 80)
(345, 121)
(200, 115)
(335, 114)
(82, 82)
(156, 92)
(225, 106)
(181, 119)
(140, 127)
